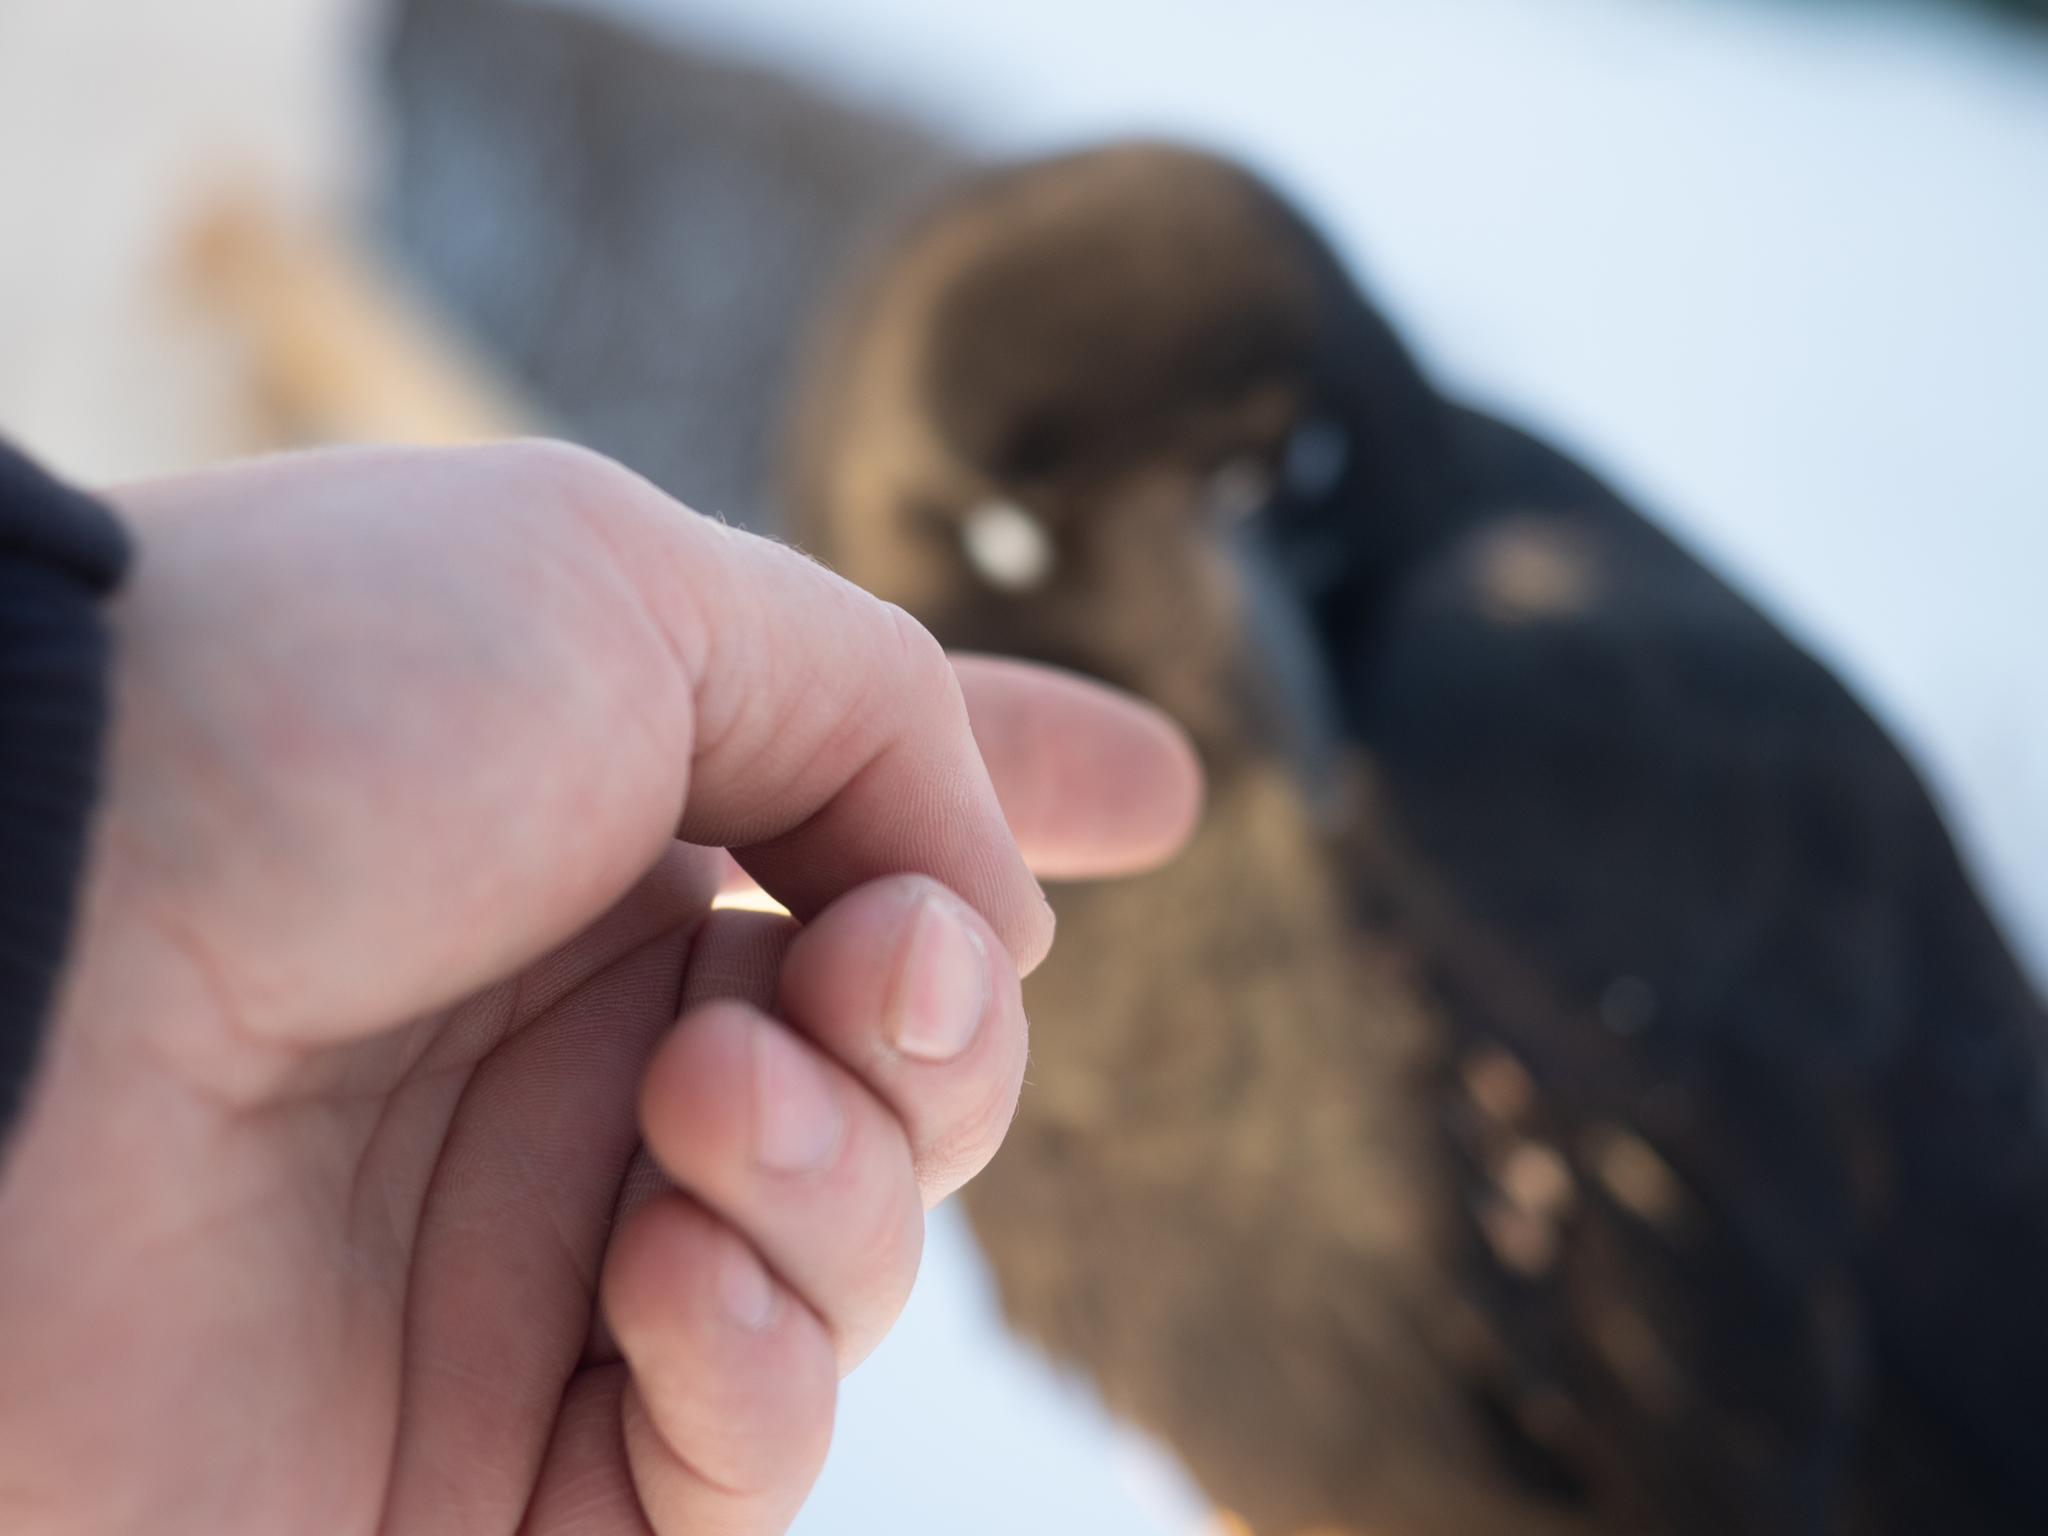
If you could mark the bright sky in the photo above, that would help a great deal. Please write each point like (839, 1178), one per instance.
(1780, 270)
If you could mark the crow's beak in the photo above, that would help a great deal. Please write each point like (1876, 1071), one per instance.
(1293, 694)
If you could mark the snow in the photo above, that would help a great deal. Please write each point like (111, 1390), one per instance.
(1781, 272)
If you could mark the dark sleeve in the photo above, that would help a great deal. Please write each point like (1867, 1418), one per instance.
(60, 553)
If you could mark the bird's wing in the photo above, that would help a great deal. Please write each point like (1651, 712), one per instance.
(1671, 872)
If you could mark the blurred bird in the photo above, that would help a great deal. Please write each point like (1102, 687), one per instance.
(1569, 1084)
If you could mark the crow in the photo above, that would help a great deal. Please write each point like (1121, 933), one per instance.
(1569, 1084)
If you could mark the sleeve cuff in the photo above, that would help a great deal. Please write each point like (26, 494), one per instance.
(60, 552)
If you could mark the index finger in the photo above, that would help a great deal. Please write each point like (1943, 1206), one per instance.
(831, 745)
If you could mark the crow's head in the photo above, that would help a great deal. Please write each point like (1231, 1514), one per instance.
(1122, 411)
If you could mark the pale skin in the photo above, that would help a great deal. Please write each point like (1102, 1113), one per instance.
(329, 1210)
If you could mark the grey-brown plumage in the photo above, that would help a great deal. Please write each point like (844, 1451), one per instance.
(1569, 1083)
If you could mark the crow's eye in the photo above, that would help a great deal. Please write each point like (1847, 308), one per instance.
(1008, 547)
(1237, 489)
(1315, 458)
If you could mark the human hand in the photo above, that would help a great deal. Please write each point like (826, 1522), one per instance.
(325, 1212)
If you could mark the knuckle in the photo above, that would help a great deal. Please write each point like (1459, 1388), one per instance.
(924, 658)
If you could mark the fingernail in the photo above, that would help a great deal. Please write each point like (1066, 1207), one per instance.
(797, 1118)
(744, 1289)
(942, 990)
